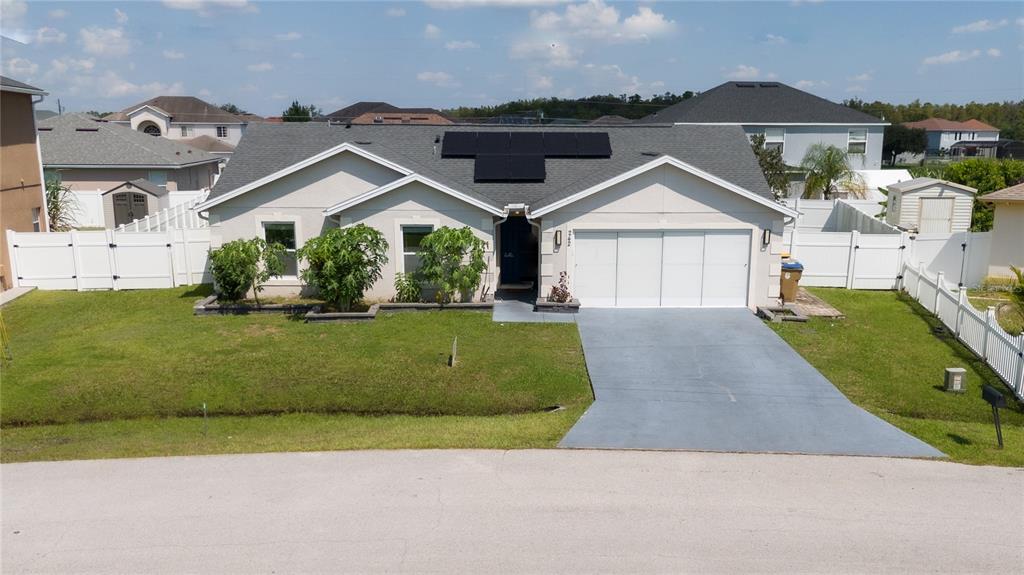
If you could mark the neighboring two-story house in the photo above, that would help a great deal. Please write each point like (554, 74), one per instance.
(384, 113)
(790, 119)
(22, 201)
(197, 123)
(943, 134)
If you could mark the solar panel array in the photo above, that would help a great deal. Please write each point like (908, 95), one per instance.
(519, 156)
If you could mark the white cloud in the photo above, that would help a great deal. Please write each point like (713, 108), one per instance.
(431, 32)
(994, 52)
(558, 55)
(774, 40)
(951, 57)
(279, 96)
(13, 10)
(58, 14)
(744, 72)
(105, 41)
(611, 77)
(864, 77)
(457, 4)
(288, 36)
(856, 89)
(260, 67)
(395, 12)
(174, 55)
(206, 8)
(809, 84)
(111, 85)
(1019, 22)
(20, 68)
(120, 16)
(47, 35)
(980, 26)
(456, 45)
(62, 66)
(543, 83)
(297, 55)
(440, 79)
(205, 93)
(596, 20)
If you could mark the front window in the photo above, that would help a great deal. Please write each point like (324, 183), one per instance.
(774, 138)
(412, 236)
(222, 131)
(858, 142)
(283, 233)
(158, 178)
(187, 132)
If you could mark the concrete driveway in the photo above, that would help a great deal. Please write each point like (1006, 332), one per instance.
(716, 380)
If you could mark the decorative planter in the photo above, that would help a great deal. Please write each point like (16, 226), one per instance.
(545, 305)
(317, 317)
(471, 305)
(209, 306)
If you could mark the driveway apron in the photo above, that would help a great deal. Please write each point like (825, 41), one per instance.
(716, 380)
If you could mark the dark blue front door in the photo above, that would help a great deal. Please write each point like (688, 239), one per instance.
(518, 251)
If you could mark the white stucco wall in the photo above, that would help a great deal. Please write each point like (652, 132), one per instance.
(666, 198)
(1007, 239)
(799, 138)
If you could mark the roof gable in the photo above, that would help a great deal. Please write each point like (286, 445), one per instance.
(944, 125)
(471, 199)
(181, 109)
(921, 183)
(759, 103)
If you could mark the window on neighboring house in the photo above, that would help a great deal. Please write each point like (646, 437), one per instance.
(283, 233)
(152, 130)
(222, 131)
(36, 226)
(158, 178)
(187, 131)
(412, 236)
(858, 141)
(775, 139)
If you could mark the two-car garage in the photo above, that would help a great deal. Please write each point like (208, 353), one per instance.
(677, 268)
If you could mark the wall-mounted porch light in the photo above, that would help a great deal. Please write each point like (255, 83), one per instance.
(558, 238)
(766, 237)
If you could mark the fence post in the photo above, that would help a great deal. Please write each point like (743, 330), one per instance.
(1019, 381)
(170, 256)
(112, 258)
(961, 301)
(920, 276)
(188, 257)
(76, 259)
(940, 280)
(851, 265)
(990, 318)
(11, 239)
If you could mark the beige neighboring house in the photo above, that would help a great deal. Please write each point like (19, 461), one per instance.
(185, 118)
(647, 216)
(93, 157)
(384, 113)
(22, 196)
(1007, 230)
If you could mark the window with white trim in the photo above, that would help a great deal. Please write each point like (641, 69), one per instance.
(283, 233)
(858, 141)
(412, 236)
(187, 131)
(775, 139)
(158, 178)
(36, 226)
(222, 131)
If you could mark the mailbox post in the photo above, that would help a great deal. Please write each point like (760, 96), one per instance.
(996, 400)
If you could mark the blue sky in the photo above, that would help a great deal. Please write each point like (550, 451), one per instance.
(441, 53)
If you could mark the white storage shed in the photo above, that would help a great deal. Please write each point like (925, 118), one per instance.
(930, 206)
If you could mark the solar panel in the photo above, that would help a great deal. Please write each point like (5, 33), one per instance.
(491, 168)
(560, 144)
(594, 145)
(527, 143)
(527, 168)
(492, 143)
(458, 145)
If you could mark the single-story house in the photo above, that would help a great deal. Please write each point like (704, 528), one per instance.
(790, 119)
(92, 157)
(637, 216)
(930, 206)
(1007, 230)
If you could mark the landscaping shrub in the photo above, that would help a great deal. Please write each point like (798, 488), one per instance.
(344, 263)
(560, 293)
(61, 206)
(453, 261)
(407, 288)
(241, 265)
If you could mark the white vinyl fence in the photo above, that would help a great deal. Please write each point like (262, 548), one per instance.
(979, 331)
(179, 216)
(109, 259)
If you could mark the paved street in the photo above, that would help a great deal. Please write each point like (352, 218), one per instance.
(520, 511)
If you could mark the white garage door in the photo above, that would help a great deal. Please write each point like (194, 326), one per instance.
(701, 268)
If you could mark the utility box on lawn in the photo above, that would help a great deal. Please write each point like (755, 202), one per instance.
(956, 379)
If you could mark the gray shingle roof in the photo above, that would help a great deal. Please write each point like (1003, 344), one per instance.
(181, 109)
(81, 140)
(759, 103)
(142, 184)
(721, 150)
(6, 82)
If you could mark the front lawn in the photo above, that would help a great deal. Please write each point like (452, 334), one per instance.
(886, 358)
(140, 356)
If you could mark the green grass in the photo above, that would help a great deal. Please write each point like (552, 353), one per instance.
(1010, 318)
(885, 357)
(292, 432)
(119, 355)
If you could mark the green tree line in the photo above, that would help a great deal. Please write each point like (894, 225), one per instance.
(583, 109)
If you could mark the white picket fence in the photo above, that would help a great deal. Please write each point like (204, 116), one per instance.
(979, 331)
(109, 259)
(180, 216)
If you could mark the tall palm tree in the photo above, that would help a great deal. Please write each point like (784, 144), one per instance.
(828, 170)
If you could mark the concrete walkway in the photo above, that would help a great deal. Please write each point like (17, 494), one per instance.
(9, 295)
(518, 311)
(716, 380)
(510, 512)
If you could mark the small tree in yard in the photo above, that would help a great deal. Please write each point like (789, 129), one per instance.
(453, 261)
(828, 169)
(772, 165)
(242, 265)
(344, 263)
(899, 139)
(61, 206)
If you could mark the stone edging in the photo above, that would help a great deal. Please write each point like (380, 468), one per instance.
(209, 306)
(571, 306)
